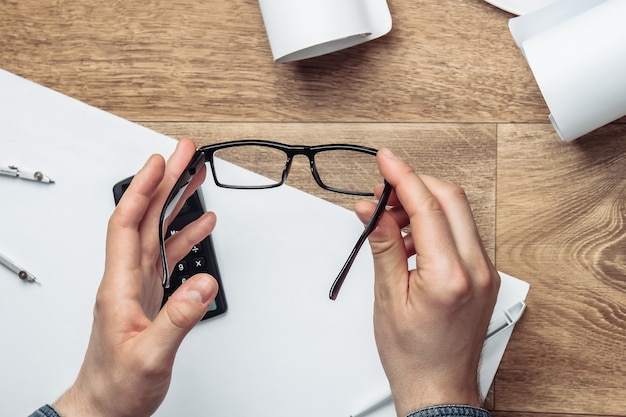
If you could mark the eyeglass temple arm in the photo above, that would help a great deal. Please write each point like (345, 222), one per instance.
(382, 204)
(195, 164)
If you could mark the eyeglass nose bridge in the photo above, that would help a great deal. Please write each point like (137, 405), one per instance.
(310, 155)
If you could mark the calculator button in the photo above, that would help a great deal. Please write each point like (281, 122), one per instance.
(181, 267)
(196, 249)
(199, 263)
(177, 281)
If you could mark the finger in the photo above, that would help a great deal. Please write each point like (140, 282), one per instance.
(388, 251)
(401, 219)
(469, 245)
(176, 164)
(432, 235)
(179, 244)
(123, 245)
(460, 217)
(393, 198)
(400, 216)
(182, 311)
(191, 188)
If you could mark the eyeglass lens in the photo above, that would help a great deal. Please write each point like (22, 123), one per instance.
(268, 165)
(348, 171)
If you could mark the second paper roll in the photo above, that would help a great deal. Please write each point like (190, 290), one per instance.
(577, 52)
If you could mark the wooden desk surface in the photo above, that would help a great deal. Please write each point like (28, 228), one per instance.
(447, 89)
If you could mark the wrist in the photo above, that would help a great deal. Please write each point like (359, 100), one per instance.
(429, 397)
(74, 404)
(68, 405)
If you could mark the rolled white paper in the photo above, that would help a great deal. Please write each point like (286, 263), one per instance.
(520, 7)
(301, 29)
(577, 52)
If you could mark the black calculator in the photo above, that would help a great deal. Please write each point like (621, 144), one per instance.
(201, 258)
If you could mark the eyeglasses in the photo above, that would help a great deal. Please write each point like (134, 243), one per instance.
(345, 169)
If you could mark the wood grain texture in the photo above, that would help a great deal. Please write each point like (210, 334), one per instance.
(182, 60)
(447, 89)
(460, 153)
(561, 225)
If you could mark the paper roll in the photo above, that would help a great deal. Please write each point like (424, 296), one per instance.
(301, 29)
(577, 52)
(520, 7)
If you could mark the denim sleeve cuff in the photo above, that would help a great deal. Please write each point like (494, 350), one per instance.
(45, 411)
(450, 411)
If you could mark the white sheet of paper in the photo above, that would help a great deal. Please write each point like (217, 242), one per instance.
(282, 347)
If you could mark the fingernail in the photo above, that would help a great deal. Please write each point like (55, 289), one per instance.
(388, 153)
(202, 289)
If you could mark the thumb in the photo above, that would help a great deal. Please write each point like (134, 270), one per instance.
(388, 251)
(182, 311)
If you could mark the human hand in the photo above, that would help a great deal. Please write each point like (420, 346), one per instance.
(127, 368)
(430, 323)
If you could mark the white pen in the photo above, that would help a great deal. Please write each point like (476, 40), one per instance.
(503, 321)
(15, 172)
(23, 274)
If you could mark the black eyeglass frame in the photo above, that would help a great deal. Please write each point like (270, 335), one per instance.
(206, 154)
